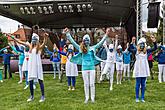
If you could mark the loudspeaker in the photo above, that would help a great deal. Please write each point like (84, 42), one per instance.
(153, 14)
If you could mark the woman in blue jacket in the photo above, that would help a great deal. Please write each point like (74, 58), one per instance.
(55, 58)
(87, 58)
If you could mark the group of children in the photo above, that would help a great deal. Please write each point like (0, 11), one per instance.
(30, 62)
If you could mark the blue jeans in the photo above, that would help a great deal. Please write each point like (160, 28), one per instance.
(56, 65)
(73, 79)
(26, 77)
(140, 81)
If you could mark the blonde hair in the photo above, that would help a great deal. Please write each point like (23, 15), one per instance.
(37, 47)
(83, 48)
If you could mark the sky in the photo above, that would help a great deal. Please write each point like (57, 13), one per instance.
(9, 26)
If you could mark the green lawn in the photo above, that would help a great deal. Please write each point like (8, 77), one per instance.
(12, 96)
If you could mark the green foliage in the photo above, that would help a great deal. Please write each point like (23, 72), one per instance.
(3, 40)
(13, 97)
(160, 28)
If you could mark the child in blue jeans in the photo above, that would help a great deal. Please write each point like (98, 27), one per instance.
(141, 68)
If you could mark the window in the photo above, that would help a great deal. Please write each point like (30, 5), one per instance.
(17, 36)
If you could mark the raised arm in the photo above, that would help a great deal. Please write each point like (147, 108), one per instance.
(116, 42)
(69, 37)
(62, 53)
(103, 39)
(45, 40)
(48, 51)
(14, 49)
(101, 42)
(105, 46)
(19, 41)
(3, 49)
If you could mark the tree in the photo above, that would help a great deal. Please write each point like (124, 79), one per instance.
(160, 29)
(3, 40)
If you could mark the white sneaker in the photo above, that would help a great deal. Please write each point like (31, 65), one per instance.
(111, 88)
(86, 101)
(34, 86)
(19, 82)
(1, 81)
(30, 99)
(137, 100)
(143, 101)
(26, 87)
(42, 99)
(117, 82)
(73, 89)
(92, 100)
(69, 88)
(160, 81)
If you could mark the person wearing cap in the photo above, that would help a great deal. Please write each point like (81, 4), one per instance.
(141, 68)
(110, 62)
(21, 59)
(127, 60)
(55, 58)
(119, 64)
(70, 67)
(35, 70)
(6, 61)
(87, 58)
(25, 64)
(161, 63)
(63, 61)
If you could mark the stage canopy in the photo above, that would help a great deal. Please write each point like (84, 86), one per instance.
(70, 13)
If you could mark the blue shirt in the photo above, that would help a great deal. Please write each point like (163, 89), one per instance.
(161, 58)
(21, 54)
(53, 58)
(6, 58)
(127, 57)
(119, 58)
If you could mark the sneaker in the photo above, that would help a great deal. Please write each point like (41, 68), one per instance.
(92, 100)
(19, 82)
(30, 99)
(160, 81)
(137, 100)
(34, 86)
(86, 101)
(26, 87)
(69, 88)
(111, 88)
(73, 89)
(42, 99)
(117, 82)
(143, 100)
(1, 81)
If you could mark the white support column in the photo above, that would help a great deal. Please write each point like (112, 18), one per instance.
(163, 23)
(138, 19)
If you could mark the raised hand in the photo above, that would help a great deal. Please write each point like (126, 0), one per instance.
(65, 30)
(108, 31)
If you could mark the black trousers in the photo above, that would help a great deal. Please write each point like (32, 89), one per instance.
(7, 69)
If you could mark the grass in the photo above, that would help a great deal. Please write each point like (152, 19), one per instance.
(13, 97)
